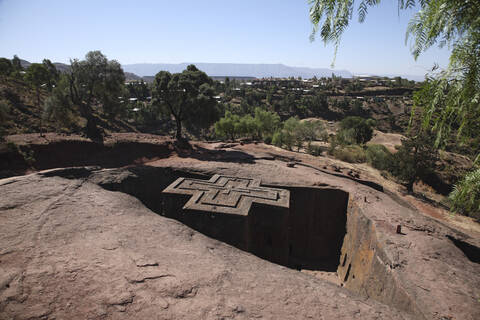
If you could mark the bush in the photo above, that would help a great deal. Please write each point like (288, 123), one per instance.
(4, 110)
(268, 139)
(263, 125)
(277, 139)
(292, 133)
(266, 122)
(296, 133)
(11, 96)
(225, 127)
(379, 157)
(359, 129)
(57, 109)
(465, 197)
(351, 153)
(414, 160)
(314, 150)
(246, 126)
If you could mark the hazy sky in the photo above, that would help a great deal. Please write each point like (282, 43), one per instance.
(246, 31)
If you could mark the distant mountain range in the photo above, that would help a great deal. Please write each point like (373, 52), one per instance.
(236, 70)
(62, 67)
(147, 71)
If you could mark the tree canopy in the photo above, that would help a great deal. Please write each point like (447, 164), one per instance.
(37, 75)
(95, 80)
(453, 102)
(188, 96)
(5, 66)
(359, 129)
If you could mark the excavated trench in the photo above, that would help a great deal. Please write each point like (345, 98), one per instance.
(325, 231)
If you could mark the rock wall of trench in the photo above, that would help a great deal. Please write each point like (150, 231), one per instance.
(365, 268)
(326, 231)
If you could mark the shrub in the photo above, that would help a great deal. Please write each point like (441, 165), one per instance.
(379, 157)
(266, 122)
(359, 129)
(351, 153)
(313, 130)
(57, 109)
(225, 127)
(414, 160)
(263, 125)
(296, 133)
(4, 110)
(246, 126)
(11, 96)
(344, 137)
(292, 133)
(314, 150)
(465, 197)
(268, 139)
(277, 139)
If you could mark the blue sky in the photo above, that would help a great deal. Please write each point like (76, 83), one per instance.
(247, 31)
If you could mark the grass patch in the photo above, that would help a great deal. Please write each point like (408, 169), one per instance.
(350, 153)
(379, 157)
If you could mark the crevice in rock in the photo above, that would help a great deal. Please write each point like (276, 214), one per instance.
(348, 272)
(325, 232)
(471, 252)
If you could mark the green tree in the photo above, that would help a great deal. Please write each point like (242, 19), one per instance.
(139, 90)
(90, 81)
(465, 197)
(455, 91)
(247, 127)
(16, 64)
(358, 128)
(188, 96)
(266, 122)
(318, 104)
(58, 106)
(291, 133)
(53, 73)
(6, 67)
(414, 159)
(37, 75)
(4, 111)
(226, 126)
(313, 130)
(379, 157)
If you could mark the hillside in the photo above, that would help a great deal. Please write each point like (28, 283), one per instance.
(24, 115)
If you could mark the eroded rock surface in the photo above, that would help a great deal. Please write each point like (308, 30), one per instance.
(91, 243)
(72, 250)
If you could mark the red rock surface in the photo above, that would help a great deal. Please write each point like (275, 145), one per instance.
(70, 249)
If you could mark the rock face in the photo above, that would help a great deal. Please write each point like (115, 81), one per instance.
(97, 243)
(421, 271)
(73, 250)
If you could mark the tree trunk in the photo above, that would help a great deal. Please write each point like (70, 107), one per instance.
(38, 97)
(410, 186)
(179, 129)
(91, 129)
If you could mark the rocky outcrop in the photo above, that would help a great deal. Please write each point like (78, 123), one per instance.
(92, 243)
(73, 250)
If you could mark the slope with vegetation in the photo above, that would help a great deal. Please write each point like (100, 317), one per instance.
(329, 116)
(449, 101)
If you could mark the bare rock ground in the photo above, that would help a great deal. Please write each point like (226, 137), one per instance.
(70, 249)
